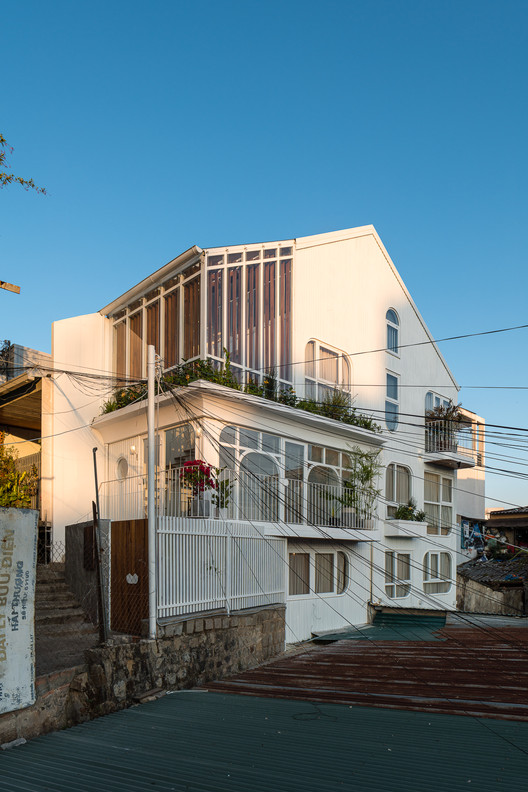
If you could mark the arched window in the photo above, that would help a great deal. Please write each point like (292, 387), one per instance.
(323, 489)
(342, 573)
(259, 487)
(393, 325)
(437, 573)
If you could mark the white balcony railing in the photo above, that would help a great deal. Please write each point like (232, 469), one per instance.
(240, 497)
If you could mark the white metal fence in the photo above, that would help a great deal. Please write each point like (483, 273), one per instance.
(242, 497)
(208, 564)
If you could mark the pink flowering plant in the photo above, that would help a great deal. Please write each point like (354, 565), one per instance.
(198, 475)
(201, 477)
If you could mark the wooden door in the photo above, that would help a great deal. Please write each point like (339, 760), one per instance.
(129, 576)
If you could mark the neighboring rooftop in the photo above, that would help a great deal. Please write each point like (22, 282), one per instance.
(497, 573)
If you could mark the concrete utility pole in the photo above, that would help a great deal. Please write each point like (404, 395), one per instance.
(151, 490)
(9, 287)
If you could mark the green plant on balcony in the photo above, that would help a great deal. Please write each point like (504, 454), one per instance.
(359, 490)
(409, 511)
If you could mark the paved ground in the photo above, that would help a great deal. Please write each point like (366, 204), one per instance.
(210, 742)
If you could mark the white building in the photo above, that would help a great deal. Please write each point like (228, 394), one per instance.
(325, 313)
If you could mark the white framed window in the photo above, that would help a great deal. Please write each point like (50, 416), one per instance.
(392, 401)
(433, 401)
(326, 369)
(437, 573)
(397, 574)
(312, 572)
(397, 487)
(438, 504)
(393, 329)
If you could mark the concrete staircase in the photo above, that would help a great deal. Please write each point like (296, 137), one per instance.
(62, 628)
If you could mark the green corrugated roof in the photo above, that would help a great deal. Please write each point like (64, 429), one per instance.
(196, 741)
(391, 627)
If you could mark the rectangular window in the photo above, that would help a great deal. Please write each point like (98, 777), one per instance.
(135, 363)
(324, 572)
(214, 313)
(252, 316)
(120, 349)
(234, 313)
(397, 574)
(191, 319)
(269, 315)
(299, 574)
(153, 326)
(215, 261)
(437, 573)
(391, 403)
(438, 494)
(285, 319)
(172, 329)
(179, 445)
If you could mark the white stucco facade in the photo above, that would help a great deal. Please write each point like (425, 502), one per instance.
(306, 308)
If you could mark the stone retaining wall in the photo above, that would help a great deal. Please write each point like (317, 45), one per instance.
(188, 653)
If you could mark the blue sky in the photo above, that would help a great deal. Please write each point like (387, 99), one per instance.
(158, 125)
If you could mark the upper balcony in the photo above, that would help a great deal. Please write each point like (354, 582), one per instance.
(283, 507)
(449, 443)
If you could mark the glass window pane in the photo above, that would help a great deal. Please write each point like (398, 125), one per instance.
(447, 489)
(391, 316)
(445, 565)
(228, 435)
(179, 445)
(324, 572)
(404, 566)
(447, 518)
(392, 338)
(227, 457)
(389, 483)
(391, 415)
(432, 513)
(328, 365)
(332, 457)
(294, 461)
(392, 387)
(431, 487)
(345, 460)
(249, 438)
(252, 255)
(310, 359)
(403, 485)
(234, 258)
(342, 572)
(389, 567)
(299, 574)
(315, 453)
(270, 254)
(428, 402)
(270, 443)
(286, 251)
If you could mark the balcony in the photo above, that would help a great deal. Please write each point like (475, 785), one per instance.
(285, 504)
(443, 445)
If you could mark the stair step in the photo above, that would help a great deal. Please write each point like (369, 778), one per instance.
(45, 632)
(59, 616)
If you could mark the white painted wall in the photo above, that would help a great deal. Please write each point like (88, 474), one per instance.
(80, 344)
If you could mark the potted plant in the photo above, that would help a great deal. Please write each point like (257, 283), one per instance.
(198, 477)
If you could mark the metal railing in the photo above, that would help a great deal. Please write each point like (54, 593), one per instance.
(241, 496)
(448, 436)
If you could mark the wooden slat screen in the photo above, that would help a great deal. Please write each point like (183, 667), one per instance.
(285, 319)
(269, 314)
(120, 349)
(136, 345)
(153, 328)
(234, 278)
(214, 314)
(252, 316)
(172, 329)
(191, 319)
